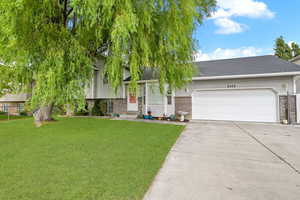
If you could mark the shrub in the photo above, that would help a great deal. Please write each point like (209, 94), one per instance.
(98, 108)
(83, 112)
(3, 113)
(23, 113)
(58, 110)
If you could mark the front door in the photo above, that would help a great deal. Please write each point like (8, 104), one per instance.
(132, 102)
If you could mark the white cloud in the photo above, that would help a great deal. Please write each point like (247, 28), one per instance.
(290, 43)
(227, 9)
(243, 8)
(228, 26)
(220, 53)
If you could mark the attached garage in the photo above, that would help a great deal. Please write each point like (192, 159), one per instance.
(258, 105)
(254, 89)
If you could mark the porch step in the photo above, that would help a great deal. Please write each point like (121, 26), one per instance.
(131, 113)
(128, 116)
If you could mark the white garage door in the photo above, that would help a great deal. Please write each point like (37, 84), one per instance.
(235, 105)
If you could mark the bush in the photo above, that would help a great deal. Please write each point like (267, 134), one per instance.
(98, 109)
(83, 112)
(3, 113)
(58, 110)
(23, 113)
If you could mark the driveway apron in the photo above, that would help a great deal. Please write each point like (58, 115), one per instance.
(231, 161)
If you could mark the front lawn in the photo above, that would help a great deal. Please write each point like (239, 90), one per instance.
(11, 117)
(81, 158)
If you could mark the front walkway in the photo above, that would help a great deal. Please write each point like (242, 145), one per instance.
(231, 161)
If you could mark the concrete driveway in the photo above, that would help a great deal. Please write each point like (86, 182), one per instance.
(231, 161)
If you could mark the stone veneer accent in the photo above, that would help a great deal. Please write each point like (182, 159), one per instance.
(119, 106)
(184, 104)
(283, 108)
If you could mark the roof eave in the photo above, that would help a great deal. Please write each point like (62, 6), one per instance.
(233, 76)
(247, 76)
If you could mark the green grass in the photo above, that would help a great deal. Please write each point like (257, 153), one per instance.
(81, 158)
(12, 117)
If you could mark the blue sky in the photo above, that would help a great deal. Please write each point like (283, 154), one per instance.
(247, 28)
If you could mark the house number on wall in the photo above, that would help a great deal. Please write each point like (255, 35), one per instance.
(231, 86)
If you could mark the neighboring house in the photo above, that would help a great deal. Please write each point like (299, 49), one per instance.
(296, 60)
(13, 103)
(260, 89)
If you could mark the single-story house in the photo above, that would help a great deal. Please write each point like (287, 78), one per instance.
(259, 89)
(13, 103)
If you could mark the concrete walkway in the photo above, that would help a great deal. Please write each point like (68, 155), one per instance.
(231, 161)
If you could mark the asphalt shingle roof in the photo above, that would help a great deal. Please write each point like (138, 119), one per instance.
(245, 66)
(238, 66)
(14, 98)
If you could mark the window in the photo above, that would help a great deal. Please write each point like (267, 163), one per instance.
(110, 107)
(105, 78)
(20, 107)
(142, 94)
(169, 97)
(155, 97)
(5, 107)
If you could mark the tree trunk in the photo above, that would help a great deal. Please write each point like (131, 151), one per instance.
(70, 110)
(43, 114)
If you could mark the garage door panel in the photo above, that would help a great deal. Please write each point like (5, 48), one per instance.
(235, 105)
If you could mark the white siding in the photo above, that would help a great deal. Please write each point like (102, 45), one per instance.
(297, 79)
(298, 108)
(157, 103)
(297, 84)
(100, 90)
(280, 84)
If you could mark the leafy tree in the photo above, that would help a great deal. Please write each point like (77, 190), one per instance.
(282, 49)
(52, 44)
(6, 83)
(295, 49)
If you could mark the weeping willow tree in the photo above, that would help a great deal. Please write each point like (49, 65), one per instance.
(6, 75)
(52, 44)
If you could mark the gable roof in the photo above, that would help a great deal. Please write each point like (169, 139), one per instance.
(246, 66)
(14, 98)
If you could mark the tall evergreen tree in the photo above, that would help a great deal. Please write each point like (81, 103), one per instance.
(295, 49)
(52, 43)
(282, 49)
